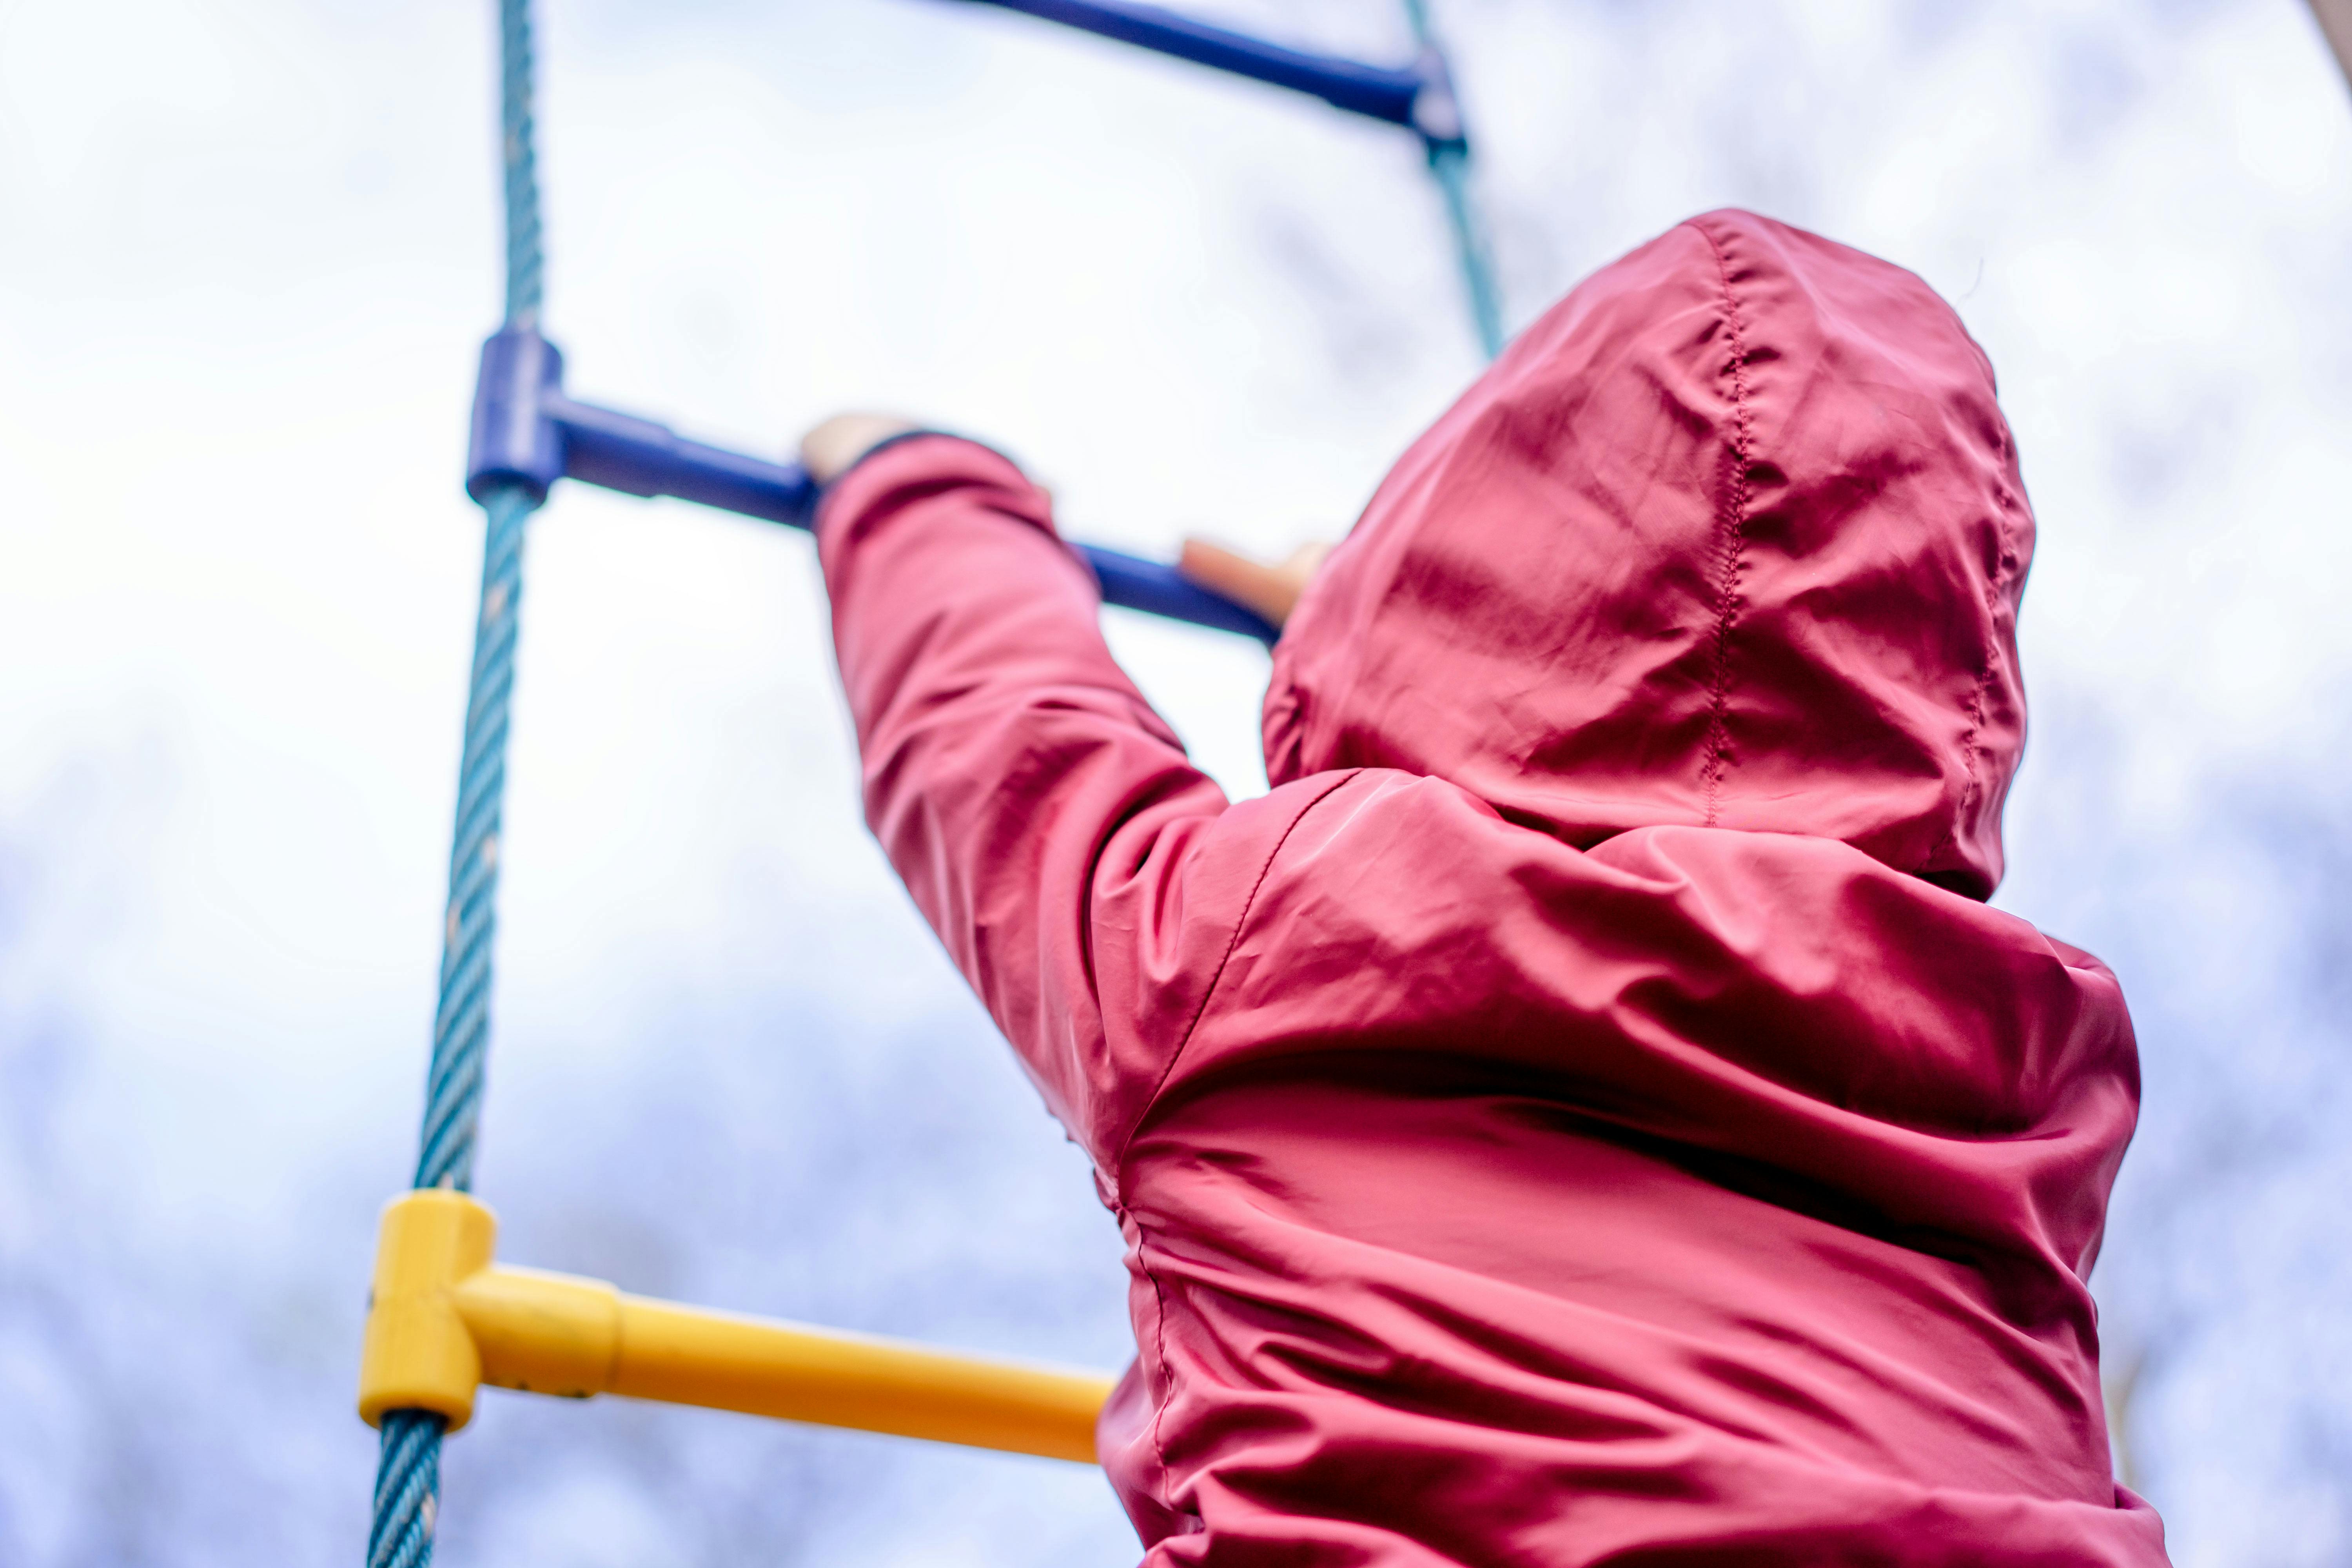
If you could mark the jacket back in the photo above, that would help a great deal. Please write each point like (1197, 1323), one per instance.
(1584, 1112)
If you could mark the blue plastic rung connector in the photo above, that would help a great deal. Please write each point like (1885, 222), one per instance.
(528, 433)
(1420, 96)
(514, 440)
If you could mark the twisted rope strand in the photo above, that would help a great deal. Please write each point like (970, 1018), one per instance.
(526, 261)
(1449, 164)
(408, 1464)
(407, 1481)
(1451, 167)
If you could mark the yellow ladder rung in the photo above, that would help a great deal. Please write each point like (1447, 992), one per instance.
(445, 1319)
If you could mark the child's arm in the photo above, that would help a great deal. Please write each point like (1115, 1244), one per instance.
(1046, 820)
(1270, 589)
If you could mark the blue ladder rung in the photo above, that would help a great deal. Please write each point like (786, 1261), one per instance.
(526, 432)
(1420, 96)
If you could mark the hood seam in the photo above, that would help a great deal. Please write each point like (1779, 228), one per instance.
(1732, 536)
(1968, 781)
(1972, 783)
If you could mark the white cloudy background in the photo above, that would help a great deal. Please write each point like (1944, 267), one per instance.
(246, 249)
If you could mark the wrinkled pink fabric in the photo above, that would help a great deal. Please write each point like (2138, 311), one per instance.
(1584, 1113)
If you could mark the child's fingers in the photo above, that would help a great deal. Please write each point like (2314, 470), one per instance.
(840, 440)
(1272, 591)
(1237, 577)
(1301, 564)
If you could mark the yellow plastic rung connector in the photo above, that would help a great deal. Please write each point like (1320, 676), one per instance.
(443, 1318)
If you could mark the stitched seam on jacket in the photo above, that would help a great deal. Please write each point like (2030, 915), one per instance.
(1240, 923)
(1970, 752)
(1158, 1353)
(1143, 1234)
(1732, 532)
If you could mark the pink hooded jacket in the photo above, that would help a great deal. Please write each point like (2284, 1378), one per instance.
(1585, 1112)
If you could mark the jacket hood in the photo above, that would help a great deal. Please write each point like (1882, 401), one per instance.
(1733, 537)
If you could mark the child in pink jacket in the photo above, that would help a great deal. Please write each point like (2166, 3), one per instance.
(1586, 1111)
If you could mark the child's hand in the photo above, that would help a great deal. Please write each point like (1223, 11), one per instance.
(840, 440)
(1272, 591)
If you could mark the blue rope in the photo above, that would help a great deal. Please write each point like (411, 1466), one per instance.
(1451, 165)
(526, 263)
(408, 1465)
(407, 1485)
(461, 1026)
(1449, 162)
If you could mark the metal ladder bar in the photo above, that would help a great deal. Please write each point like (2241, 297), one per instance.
(444, 1318)
(526, 433)
(1418, 96)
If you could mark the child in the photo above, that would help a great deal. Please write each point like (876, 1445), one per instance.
(1586, 1111)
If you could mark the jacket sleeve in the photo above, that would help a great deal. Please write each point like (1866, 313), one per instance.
(1087, 878)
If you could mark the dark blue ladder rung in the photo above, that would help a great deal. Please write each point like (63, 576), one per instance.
(526, 432)
(1418, 96)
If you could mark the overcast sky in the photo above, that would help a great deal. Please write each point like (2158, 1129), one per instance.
(246, 249)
